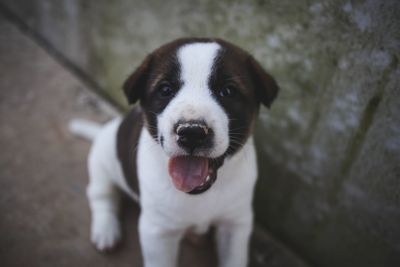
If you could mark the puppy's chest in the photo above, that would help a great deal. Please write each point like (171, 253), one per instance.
(185, 211)
(228, 197)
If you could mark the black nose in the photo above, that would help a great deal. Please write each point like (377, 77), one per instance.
(192, 135)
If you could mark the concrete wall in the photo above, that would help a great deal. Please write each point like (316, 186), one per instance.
(329, 149)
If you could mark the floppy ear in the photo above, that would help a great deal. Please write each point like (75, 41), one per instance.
(136, 82)
(266, 88)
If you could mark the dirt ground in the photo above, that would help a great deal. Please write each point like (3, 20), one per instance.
(44, 215)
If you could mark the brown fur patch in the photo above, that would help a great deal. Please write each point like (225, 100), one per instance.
(127, 141)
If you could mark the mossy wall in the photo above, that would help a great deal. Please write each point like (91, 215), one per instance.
(329, 149)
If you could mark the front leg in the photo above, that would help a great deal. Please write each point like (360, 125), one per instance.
(159, 245)
(233, 243)
(104, 200)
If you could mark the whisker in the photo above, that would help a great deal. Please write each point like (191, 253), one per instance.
(152, 112)
(232, 141)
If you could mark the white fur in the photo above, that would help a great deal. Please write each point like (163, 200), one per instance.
(166, 212)
(86, 129)
(194, 100)
(106, 177)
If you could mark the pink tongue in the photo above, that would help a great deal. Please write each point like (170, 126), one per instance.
(188, 172)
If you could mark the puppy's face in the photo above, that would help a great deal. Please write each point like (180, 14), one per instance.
(200, 98)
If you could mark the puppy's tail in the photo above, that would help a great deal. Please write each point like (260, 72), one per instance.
(84, 128)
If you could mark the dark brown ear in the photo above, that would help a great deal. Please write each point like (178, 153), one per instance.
(266, 88)
(135, 84)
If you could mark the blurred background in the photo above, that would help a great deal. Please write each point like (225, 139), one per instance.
(328, 150)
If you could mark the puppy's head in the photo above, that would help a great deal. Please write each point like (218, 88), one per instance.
(200, 98)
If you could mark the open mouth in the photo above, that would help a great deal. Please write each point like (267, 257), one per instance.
(192, 175)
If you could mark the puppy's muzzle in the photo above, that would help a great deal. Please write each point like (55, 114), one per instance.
(192, 135)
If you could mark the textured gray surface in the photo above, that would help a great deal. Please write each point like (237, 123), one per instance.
(44, 213)
(330, 146)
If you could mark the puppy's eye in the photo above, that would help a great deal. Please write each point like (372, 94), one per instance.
(165, 90)
(227, 91)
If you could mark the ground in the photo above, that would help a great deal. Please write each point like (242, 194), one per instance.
(45, 217)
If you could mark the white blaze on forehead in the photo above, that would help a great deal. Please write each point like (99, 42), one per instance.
(196, 62)
(194, 100)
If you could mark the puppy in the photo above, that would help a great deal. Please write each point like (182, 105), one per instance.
(186, 152)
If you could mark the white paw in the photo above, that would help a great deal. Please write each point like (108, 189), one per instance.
(105, 232)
